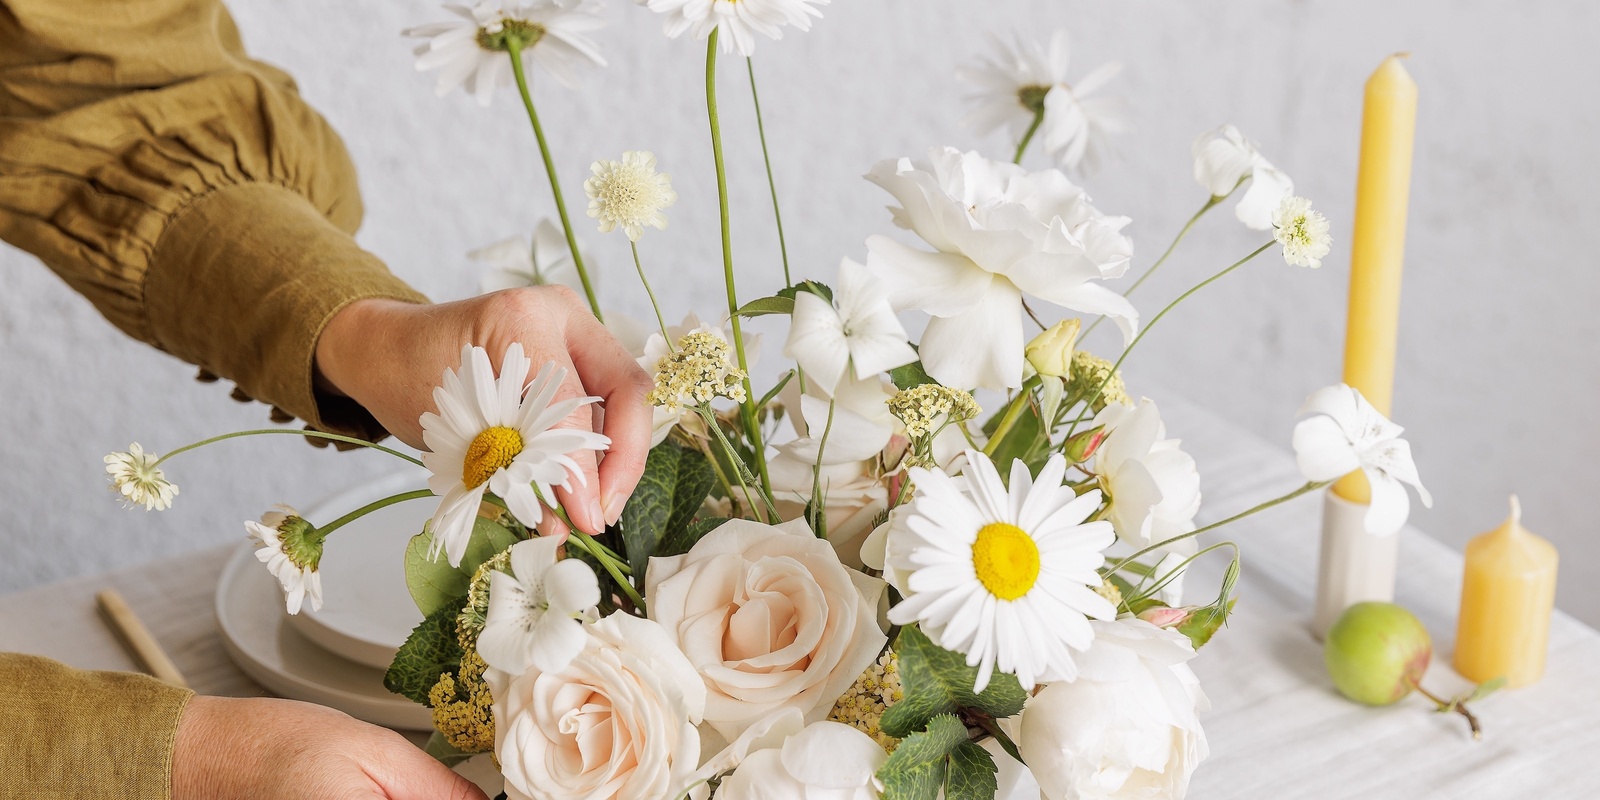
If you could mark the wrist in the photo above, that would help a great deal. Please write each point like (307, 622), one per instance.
(344, 349)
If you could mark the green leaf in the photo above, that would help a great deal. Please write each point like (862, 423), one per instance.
(679, 542)
(430, 651)
(920, 766)
(676, 481)
(767, 305)
(817, 288)
(910, 376)
(1485, 689)
(443, 751)
(938, 681)
(972, 774)
(434, 584)
(1205, 622)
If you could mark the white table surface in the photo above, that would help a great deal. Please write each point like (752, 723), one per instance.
(1276, 727)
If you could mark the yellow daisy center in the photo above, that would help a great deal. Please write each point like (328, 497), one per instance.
(490, 452)
(1006, 560)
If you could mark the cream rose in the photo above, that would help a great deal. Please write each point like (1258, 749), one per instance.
(617, 722)
(769, 618)
(826, 761)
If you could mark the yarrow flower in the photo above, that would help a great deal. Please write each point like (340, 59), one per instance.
(1089, 371)
(1223, 159)
(737, 20)
(472, 50)
(291, 548)
(463, 707)
(696, 373)
(862, 705)
(629, 193)
(469, 623)
(1302, 231)
(927, 408)
(137, 479)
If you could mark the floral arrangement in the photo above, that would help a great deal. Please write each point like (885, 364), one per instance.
(853, 583)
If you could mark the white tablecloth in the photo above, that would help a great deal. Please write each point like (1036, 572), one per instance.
(1276, 727)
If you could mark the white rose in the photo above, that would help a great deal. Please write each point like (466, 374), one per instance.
(1127, 727)
(1153, 485)
(769, 618)
(617, 722)
(826, 761)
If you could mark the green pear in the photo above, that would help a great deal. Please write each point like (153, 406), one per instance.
(1376, 653)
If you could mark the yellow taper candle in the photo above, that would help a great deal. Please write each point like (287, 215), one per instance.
(1507, 596)
(1378, 243)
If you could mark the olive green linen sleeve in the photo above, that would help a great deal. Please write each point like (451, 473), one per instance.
(188, 192)
(85, 735)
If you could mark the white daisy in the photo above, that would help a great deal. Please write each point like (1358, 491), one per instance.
(1223, 159)
(1017, 82)
(472, 50)
(1006, 577)
(1302, 231)
(291, 548)
(514, 264)
(1344, 434)
(487, 437)
(862, 331)
(738, 20)
(536, 614)
(629, 193)
(136, 478)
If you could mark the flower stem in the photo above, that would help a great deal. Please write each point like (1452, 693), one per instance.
(612, 567)
(746, 477)
(514, 49)
(819, 519)
(1309, 487)
(322, 532)
(1210, 204)
(308, 434)
(1014, 411)
(747, 409)
(772, 184)
(1112, 373)
(661, 321)
(1022, 146)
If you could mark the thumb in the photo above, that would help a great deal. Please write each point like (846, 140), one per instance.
(414, 775)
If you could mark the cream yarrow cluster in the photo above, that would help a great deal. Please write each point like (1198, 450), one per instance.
(925, 409)
(862, 705)
(629, 193)
(1110, 592)
(695, 373)
(1302, 231)
(469, 623)
(1089, 371)
(136, 478)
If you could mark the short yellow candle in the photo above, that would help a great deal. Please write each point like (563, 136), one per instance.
(1378, 244)
(1507, 597)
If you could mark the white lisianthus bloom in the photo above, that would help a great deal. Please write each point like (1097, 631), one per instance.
(858, 329)
(1345, 433)
(292, 550)
(513, 264)
(472, 50)
(1302, 231)
(629, 194)
(138, 481)
(486, 437)
(725, 602)
(1019, 81)
(1003, 574)
(738, 20)
(1127, 728)
(1153, 485)
(825, 761)
(999, 232)
(618, 721)
(535, 616)
(1223, 159)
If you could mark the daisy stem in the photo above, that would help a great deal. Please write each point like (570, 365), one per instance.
(747, 409)
(661, 321)
(772, 184)
(514, 49)
(1111, 374)
(418, 494)
(308, 434)
(1309, 487)
(1210, 204)
(1022, 146)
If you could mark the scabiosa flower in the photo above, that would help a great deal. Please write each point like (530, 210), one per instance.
(1302, 231)
(137, 479)
(629, 193)
(291, 548)
(738, 20)
(696, 373)
(472, 50)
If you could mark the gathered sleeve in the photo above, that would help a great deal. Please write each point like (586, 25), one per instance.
(187, 191)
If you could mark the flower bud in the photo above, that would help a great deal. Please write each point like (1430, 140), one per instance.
(1083, 446)
(1165, 617)
(1050, 353)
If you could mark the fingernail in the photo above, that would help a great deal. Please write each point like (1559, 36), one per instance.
(596, 514)
(614, 505)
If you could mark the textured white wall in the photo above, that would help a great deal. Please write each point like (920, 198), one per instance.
(1496, 363)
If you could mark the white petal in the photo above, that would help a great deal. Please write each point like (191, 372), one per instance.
(816, 340)
(1390, 505)
(532, 557)
(981, 347)
(1268, 188)
(555, 641)
(940, 284)
(1322, 450)
(571, 586)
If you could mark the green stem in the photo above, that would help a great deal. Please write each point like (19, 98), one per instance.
(747, 409)
(285, 431)
(1022, 146)
(1014, 411)
(1309, 487)
(661, 321)
(514, 49)
(772, 184)
(746, 477)
(1112, 373)
(617, 570)
(1210, 204)
(819, 519)
(322, 532)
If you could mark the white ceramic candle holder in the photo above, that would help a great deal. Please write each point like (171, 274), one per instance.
(1354, 566)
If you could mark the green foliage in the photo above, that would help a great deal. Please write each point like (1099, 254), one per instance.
(680, 541)
(1205, 622)
(443, 751)
(430, 651)
(767, 305)
(435, 584)
(941, 757)
(817, 288)
(938, 682)
(910, 376)
(676, 481)
(1026, 440)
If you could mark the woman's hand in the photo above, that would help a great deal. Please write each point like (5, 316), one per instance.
(388, 356)
(267, 749)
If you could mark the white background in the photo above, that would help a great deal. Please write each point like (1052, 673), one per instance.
(1496, 365)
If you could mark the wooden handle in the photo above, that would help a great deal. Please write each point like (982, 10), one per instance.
(137, 639)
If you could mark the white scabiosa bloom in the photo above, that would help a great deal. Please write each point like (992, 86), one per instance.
(1344, 433)
(629, 194)
(998, 232)
(1006, 576)
(138, 481)
(1223, 159)
(858, 329)
(513, 263)
(1153, 485)
(1302, 231)
(292, 549)
(737, 20)
(486, 437)
(535, 616)
(1019, 81)
(471, 50)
